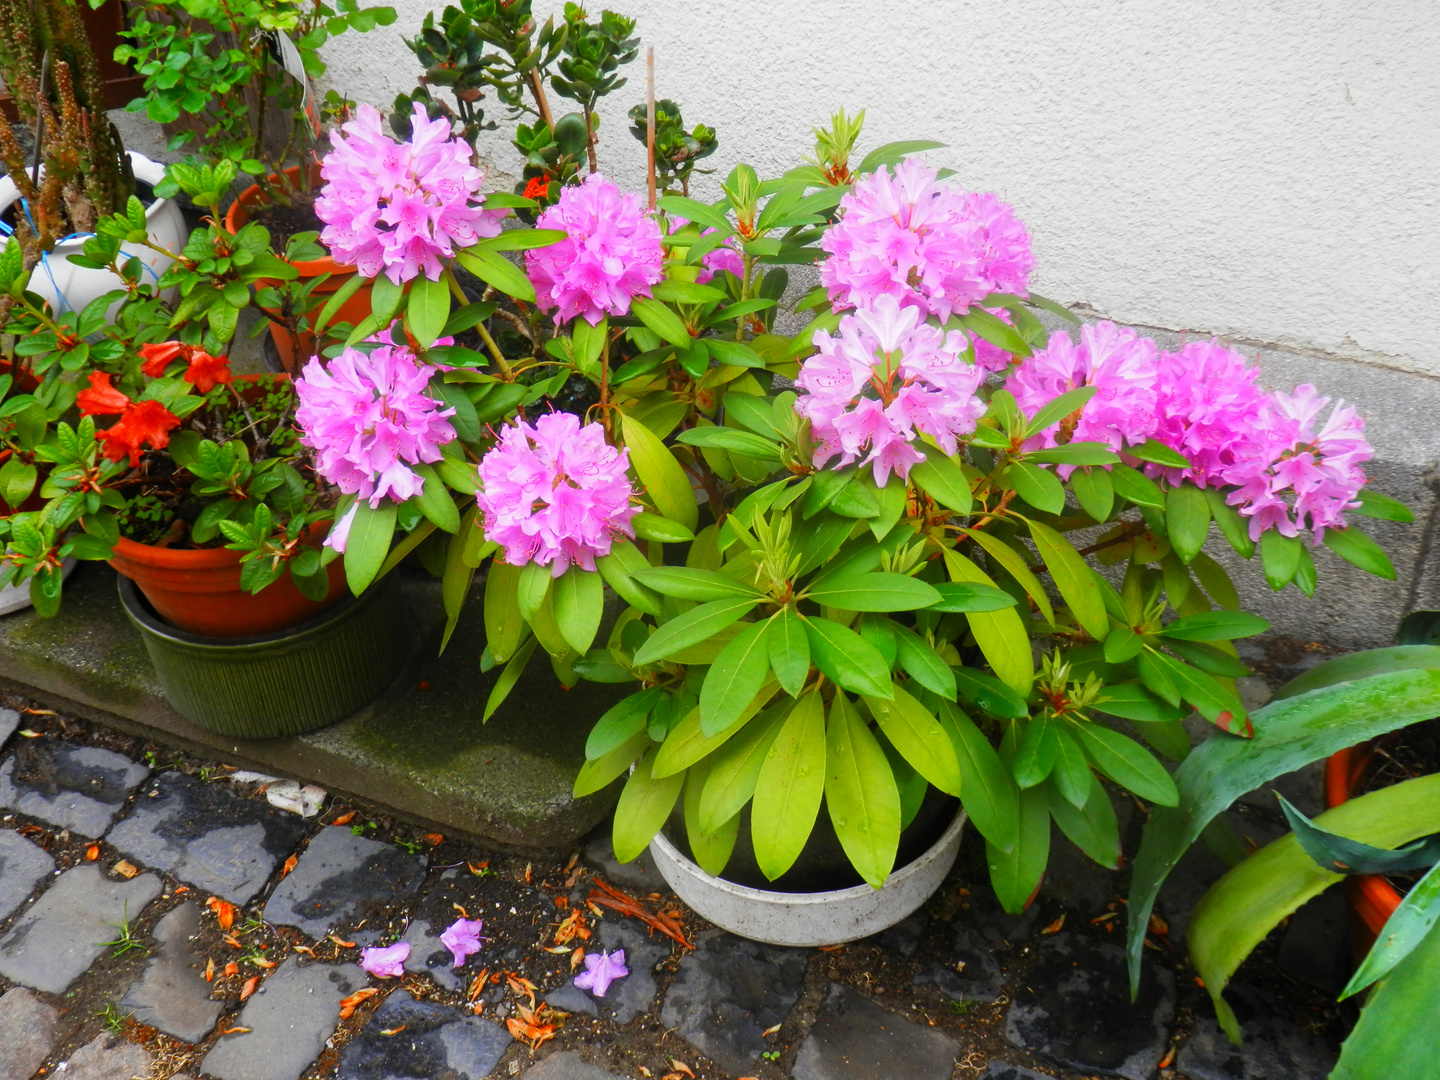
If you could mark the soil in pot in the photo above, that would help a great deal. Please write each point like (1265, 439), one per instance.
(823, 865)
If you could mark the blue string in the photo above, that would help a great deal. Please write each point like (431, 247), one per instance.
(45, 256)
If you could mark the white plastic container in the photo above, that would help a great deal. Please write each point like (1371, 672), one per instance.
(809, 919)
(70, 288)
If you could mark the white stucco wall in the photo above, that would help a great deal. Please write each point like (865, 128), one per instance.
(1265, 171)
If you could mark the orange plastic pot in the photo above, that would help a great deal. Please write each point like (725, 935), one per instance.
(199, 591)
(296, 350)
(1372, 898)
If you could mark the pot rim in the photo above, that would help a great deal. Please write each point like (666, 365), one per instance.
(788, 899)
(140, 613)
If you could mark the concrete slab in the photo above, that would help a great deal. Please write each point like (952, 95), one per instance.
(420, 750)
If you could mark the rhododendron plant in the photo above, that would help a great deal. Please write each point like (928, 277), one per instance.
(400, 207)
(611, 253)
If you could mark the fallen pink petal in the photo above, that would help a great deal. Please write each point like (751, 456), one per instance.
(600, 971)
(387, 961)
(462, 939)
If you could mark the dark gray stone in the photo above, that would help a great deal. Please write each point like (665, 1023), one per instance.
(904, 937)
(343, 879)
(982, 913)
(80, 788)
(1275, 1047)
(968, 971)
(22, 867)
(1316, 947)
(1003, 1070)
(438, 1041)
(855, 1039)
(9, 721)
(1075, 881)
(173, 995)
(629, 997)
(289, 1019)
(727, 992)
(1074, 1008)
(62, 933)
(566, 1065)
(207, 836)
(27, 1032)
(639, 875)
(108, 1057)
(510, 911)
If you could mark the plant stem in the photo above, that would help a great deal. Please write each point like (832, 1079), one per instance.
(537, 87)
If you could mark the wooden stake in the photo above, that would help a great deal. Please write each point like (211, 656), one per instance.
(650, 121)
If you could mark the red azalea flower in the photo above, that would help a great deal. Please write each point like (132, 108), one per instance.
(158, 356)
(101, 397)
(144, 421)
(537, 187)
(206, 370)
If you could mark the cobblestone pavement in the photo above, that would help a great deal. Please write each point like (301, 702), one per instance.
(163, 916)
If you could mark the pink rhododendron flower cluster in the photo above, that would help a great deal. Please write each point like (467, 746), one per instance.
(610, 254)
(1209, 408)
(368, 419)
(886, 376)
(904, 234)
(1119, 363)
(1314, 466)
(400, 207)
(555, 493)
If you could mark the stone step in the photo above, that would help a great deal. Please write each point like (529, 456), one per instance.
(419, 752)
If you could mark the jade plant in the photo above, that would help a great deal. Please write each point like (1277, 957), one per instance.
(961, 553)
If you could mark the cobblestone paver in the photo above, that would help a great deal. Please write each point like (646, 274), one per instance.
(165, 921)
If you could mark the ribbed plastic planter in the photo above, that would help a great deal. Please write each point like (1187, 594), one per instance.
(285, 683)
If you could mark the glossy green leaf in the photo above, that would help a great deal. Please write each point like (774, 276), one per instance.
(1215, 581)
(509, 676)
(1136, 486)
(735, 767)
(619, 723)
(987, 789)
(1290, 731)
(369, 542)
(1355, 547)
(846, 658)
(1128, 763)
(1233, 527)
(689, 583)
(1280, 557)
(1016, 566)
(1343, 855)
(1092, 828)
(789, 650)
(1035, 753)
(860, 794)
(503, 622)
(1215, 626)
(789, 788)
(427, 309)
(1039, 487)
(875, 591)
(534, 585)
(435, 500)
(1375, 505)
(1015, 875)
(1058, 408)
(1131, 701)
(920, 661)
(578, 598)
(1240, 909)
(494, 269)
(1071, 775)
(919, 738)
(985, 692)
(734, 678)
(1079, 453)
(963, 596)
(692, 627)
(1187, 520)
(456, 581)
(665, 481)
(1159, 453)
(1094, 492)
(1397, 1035)
(1074, 578)
(943, 480)
(711, 849)
(662, 320)
(1001, 635)
(644, 805)
(733, 440)
(618, 569)
(687, 743)
(650, 526)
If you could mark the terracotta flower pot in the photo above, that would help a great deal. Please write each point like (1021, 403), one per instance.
(1372, 898)
(296, 350)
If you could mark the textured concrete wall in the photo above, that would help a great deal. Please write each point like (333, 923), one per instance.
(1263, 171)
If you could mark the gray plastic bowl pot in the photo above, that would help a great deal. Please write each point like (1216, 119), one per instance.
(285, 683)
(815, 918)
